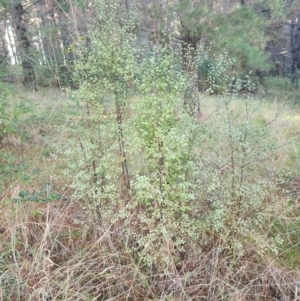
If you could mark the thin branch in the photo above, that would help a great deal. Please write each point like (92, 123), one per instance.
(24, 10)
(5, 52)
(3, 58)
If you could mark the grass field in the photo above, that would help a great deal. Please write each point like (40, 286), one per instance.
(51, 248)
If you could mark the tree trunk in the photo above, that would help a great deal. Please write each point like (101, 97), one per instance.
(295, 50)
(11, 44)
(3, 49)
(53, 55)
(24, 46)
(65, 72)
(4, 52)
(46, 33)
(191, 98)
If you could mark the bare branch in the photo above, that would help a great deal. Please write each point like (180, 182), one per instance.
(34, 3)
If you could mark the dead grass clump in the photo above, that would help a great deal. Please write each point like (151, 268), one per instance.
(10, 141)
(54, 252)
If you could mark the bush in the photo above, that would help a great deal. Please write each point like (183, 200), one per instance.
(10, 113)
(277, 83)
(169, 189)
(143, 160)
(4, 116)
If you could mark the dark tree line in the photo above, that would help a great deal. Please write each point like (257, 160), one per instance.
(262, 35)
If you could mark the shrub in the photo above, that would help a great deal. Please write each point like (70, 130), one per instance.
(165, 184)
(141, 159)
(10, 113)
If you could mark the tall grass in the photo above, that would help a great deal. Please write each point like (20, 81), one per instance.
(54, 249)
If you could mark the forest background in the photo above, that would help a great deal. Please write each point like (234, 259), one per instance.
(149, 150)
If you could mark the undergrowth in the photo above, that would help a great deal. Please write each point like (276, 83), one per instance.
(53, 246)
(125, 190)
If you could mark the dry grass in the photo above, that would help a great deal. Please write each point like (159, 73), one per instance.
(50, 254)
(53, 251)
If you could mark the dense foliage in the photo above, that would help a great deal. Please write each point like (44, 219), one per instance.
(43, 37)
(131, 184)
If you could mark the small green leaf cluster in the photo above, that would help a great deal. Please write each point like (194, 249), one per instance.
(37, 196)
(217, 71)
